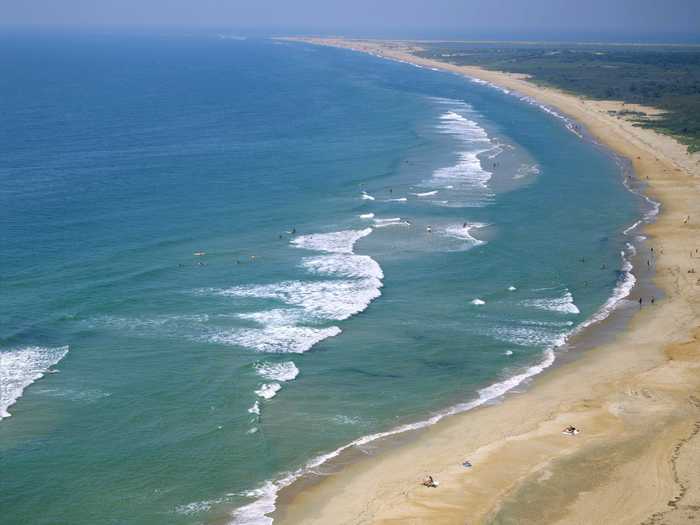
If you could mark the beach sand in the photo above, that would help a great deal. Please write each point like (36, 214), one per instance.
(635, 398)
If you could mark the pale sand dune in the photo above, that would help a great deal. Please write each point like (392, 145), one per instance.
(636, 399)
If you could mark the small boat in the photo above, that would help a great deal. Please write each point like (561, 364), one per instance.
(199, 254)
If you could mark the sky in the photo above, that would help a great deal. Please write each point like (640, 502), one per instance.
(625, 19)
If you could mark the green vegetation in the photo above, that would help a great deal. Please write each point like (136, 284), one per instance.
(665, 77)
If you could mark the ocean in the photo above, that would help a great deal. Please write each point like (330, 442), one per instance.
(226, 260)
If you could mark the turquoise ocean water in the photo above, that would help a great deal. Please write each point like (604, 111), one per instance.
(379, 245)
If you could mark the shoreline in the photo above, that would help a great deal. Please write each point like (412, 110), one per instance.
(386, 487)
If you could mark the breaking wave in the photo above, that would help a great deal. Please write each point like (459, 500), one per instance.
(21, 367)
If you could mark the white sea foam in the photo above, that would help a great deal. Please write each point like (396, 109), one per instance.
(568, 123)
(356, 281)
(256, 513)
(398, 199)
(512, 288)
(468, 130)
(335, 299)
(426, 193)
(195, 507)
(268, 390)
(332, 299)
(276, 316)
(530, 336)
(625, 283)
(21, 367)
(478, 302)
(393, 221)
(367, 216)
(650, 215)
(468, 173)
(366, 196)
(284, 371)
(464, 232)
(334, 242)
(551, 324)
(490, 84)
(255, 409)
(563, 304)
(632, 227)
(495, 151)
(275, 339)
(337, 265)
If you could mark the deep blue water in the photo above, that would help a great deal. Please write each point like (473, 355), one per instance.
(120, 158)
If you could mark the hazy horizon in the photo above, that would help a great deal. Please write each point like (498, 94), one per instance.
(625, 21)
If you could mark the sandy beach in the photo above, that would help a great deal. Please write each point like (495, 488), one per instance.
(636, 398)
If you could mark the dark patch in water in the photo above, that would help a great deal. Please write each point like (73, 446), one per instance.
(367, 373)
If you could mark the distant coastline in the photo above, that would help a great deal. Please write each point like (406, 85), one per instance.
(586, 391)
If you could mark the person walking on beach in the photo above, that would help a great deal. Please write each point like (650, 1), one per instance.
(640, 302)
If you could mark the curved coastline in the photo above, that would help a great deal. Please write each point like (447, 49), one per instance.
(366, 480)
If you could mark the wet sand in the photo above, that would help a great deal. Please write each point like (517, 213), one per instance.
(636, 398)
